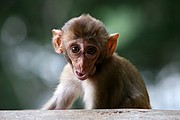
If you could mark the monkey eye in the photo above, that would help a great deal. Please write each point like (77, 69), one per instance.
(75, 49)
(91, 50)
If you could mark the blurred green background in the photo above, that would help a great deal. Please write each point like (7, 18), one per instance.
(29, 67)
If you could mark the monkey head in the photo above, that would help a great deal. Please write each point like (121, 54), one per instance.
(84, 41)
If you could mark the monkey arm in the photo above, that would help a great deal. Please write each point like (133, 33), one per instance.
(63, 97)
(66, 93)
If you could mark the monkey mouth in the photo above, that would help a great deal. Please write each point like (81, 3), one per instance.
(80, 75)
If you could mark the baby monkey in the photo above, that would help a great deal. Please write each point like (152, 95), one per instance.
(94, 72)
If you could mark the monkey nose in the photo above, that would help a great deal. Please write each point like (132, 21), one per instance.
(82, 68)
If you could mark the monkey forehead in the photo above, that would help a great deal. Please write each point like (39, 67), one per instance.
(83, 42)
(85, 26)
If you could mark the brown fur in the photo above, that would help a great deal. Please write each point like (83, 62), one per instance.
(109, 81)
(121, 85)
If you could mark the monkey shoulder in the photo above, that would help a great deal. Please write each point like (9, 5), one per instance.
(67, 75)
(121, 70)
(117, 62)
(127, 69)
(67, 71)
(131, 74)
(124, 64)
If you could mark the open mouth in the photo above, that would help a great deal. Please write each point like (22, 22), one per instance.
(80, 76)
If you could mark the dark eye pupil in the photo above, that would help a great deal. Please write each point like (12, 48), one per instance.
(75, 49)
(91, 50)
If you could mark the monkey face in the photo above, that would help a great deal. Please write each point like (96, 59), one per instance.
(82, 40)
(83, 55)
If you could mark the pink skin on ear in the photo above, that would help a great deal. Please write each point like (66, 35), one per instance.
(57, 41)
(112, 43)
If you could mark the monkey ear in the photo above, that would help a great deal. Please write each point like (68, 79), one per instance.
(56, 41)
(112, 43)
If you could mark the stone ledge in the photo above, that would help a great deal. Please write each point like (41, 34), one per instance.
(108, 114)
